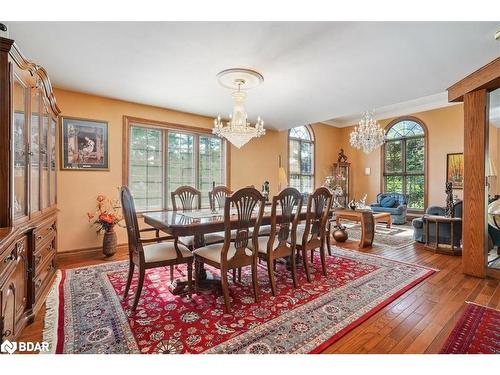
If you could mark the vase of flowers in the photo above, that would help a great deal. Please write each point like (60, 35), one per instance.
(106, 216)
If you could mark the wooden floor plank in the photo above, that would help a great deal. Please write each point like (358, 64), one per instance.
(419, 321)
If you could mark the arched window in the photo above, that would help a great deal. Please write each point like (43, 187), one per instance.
(404, 160)
(301, 159)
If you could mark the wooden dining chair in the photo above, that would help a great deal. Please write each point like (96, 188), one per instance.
(281, 241)
(312, 235)
(237, 253)
(146, 253)
(217, 197)
(190, 199)
(188, 196)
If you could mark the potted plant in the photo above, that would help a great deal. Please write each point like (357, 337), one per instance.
(106, 216)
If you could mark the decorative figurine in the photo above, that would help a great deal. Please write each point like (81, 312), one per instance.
(342, 157)
(362, 203)
(450, 209)
(352, 205)
(265, 190)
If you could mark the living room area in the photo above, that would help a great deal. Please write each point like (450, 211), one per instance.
(407, 176)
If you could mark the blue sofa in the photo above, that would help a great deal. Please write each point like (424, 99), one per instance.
(397, 209)
(444, 228)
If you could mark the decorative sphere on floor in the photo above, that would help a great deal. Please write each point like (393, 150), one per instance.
(340, 235)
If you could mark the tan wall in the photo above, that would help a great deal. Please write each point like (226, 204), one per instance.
(251, 165)
(327, 141)
(445, 135)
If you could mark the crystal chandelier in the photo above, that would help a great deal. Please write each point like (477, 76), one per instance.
(367, 135)
(238, 130)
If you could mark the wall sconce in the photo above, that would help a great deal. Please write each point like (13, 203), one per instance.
(368, 171)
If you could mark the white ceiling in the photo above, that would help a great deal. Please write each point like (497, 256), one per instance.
(313, 71)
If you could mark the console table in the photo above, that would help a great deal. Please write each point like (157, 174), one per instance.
(436, 219)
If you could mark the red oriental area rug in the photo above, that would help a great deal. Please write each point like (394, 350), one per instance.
(476, 332)
(86, 313)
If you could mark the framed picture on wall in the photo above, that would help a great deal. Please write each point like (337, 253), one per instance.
(84, 144)
(455, 170)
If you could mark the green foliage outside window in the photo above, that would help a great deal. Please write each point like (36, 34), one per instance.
(404, 162)
(192, 159)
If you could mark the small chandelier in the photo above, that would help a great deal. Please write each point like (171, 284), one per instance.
(367, 135)
(238, 130)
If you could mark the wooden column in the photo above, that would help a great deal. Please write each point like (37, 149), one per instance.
(475, 192)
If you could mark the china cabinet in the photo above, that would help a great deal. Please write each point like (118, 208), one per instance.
(28, 212)
(341, 174)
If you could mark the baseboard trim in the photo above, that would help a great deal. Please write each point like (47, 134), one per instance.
(89, 252)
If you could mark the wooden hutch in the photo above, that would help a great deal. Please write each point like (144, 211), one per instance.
(343, 169)
(28, 170)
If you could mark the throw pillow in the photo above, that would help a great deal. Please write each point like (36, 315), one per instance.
(388, 202)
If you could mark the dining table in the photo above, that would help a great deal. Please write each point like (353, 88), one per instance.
(198, 223)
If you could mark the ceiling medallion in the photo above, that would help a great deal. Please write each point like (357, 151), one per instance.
(238, 130)
(367, 135)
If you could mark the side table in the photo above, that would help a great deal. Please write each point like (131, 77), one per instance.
(436, 219)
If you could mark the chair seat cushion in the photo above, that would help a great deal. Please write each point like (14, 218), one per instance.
(301, 228)
(264, 230)
(221, 235)
(214, 252)
(392, 211)
(262, 243)
(210, 238)
(163, 251)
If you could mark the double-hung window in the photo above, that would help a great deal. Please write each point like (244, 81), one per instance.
(162, 158)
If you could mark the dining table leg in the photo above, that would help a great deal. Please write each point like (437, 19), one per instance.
(207, 282)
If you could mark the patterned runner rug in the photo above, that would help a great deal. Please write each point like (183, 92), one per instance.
(86, 314)
(396, 237)
(476, 332)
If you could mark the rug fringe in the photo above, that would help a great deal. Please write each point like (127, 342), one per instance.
(49, 333)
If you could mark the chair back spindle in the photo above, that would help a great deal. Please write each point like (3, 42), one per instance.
(287, 200)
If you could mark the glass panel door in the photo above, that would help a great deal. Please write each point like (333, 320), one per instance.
(20, 150)
(493, 180)
(44, 160)
(35, 152)
(52, 154)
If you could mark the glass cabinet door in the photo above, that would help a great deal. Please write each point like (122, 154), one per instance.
(44, 160)
(53, 181)
(20, 149)
(35, 152)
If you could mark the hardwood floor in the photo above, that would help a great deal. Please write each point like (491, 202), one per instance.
(419, 321)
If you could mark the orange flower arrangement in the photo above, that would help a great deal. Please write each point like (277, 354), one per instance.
(107, 214)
